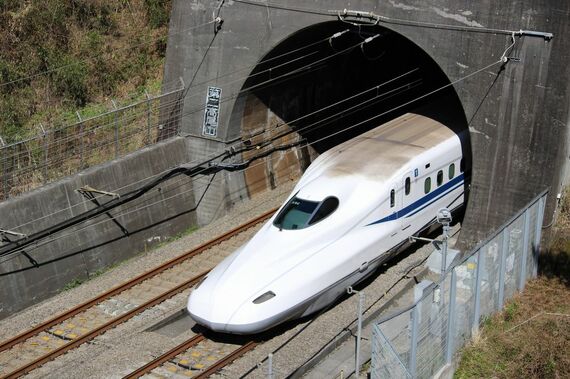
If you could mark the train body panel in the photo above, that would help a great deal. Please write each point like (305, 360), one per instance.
(354, 207)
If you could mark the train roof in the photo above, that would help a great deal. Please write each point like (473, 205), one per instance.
(396, 142)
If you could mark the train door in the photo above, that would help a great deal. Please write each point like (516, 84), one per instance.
(407, 200)
(395, 204)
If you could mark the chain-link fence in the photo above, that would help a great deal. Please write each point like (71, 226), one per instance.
(421, 340)
(58, 152)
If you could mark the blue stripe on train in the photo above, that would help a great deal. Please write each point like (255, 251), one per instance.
(424, 202)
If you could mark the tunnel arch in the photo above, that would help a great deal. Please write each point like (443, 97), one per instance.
(327, 86)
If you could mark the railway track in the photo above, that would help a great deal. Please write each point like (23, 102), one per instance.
(195, 358)
(52, 338)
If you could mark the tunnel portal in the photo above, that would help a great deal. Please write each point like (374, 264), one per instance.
(332, 81)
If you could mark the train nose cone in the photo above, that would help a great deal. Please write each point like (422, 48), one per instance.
(229, 316)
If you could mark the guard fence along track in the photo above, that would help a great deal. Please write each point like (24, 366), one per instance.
(198, 357)
(29, 350)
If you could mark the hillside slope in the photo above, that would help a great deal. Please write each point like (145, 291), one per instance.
(60, 55)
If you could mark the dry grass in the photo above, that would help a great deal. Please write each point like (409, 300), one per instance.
(530, 338)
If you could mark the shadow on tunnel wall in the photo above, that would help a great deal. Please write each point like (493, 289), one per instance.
(328, 84)
(331, 89)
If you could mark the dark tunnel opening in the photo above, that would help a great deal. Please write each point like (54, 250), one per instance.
(332, 81)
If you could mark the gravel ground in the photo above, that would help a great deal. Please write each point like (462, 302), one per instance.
(129, 346)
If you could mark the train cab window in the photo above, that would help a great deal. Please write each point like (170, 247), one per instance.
(427, 185)
(452, 171)
(462, 165)
(299, 213)
(439, 178)
(328, 206)
(392, 198)
(407, 186)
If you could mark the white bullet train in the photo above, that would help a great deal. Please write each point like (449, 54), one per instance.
(354, 208)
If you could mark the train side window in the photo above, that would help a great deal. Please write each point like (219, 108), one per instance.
(427, 185)
(452, 171)
(327, 207)
(392, 198)
(439, 178)
(462, 165)
(407, 185)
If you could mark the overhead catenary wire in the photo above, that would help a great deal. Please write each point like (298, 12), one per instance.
(210, 80)
(194, 171)
(360, 15)
(376, 87)
(500, 61)
(4, 251)
(312, 113)
(265, 83)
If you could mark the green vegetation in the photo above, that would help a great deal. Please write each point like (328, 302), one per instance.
(56, 56)
(530, 338)
(74, 283)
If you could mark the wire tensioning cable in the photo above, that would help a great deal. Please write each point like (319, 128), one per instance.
(190, 171)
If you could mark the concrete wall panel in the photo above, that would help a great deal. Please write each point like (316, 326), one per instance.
(80, 252)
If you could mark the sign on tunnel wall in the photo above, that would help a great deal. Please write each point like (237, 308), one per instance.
(212, 112)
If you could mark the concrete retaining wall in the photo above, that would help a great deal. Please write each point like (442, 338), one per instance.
(81, 251)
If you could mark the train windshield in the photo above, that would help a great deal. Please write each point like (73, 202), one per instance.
(299, 213)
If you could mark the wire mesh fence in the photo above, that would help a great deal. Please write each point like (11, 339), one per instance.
(58, 152)
(421, 340)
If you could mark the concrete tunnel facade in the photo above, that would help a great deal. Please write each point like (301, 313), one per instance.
(516, 113)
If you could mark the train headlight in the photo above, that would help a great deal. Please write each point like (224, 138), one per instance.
(263, 298)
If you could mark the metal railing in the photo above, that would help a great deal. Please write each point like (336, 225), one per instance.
(421, 340)
(58, 152)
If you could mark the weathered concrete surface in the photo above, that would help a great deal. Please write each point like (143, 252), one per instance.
(517, 115)
(80, 252)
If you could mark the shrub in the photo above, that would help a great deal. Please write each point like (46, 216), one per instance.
(157, 12)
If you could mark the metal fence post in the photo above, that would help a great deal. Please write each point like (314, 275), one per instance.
(349, 290)
(4, 169)
(46, 146)
(477, 314)
(539, 217)
(148, 116)
(415, 315)
(444, 250)
(522, 277)
(451, 316)
(502, 268)
(116, 114)
(359, 333)
(80, 139)
(270, 366)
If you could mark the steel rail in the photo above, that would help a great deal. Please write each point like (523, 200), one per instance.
(103, 328)
(185, 346)
(112, 323)
(227, 359)
(127, 285)
(165, 357)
